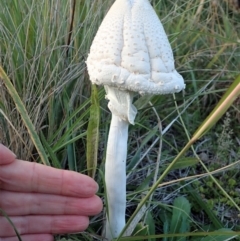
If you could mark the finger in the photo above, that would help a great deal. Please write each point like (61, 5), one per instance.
(6, 156)
(31, 237)
(43, 224)
(16, 204)
(23, 176)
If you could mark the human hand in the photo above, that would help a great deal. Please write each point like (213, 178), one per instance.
(42, 201)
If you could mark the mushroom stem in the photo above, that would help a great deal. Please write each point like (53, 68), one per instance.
(115, 176)
(123, 113)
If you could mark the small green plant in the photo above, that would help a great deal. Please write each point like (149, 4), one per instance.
(179, 221)
(224, 140)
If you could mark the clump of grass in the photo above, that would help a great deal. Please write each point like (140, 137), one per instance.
(43, 49)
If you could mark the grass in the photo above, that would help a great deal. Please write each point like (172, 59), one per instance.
(43, 49)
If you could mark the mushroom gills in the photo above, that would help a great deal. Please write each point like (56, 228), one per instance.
(120, 103)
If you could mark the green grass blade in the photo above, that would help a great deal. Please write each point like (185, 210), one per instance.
(222, 237)
(50, 151)
(226, 101)
(12, 224)
(74, 139)
(71, 156)
(25, 117)
(93, 133)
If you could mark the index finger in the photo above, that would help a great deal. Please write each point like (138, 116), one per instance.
(23, 176)
(6, 156)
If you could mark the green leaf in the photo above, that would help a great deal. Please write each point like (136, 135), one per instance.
(180, 216)
(151, 225)
(166, 217)
(93, 133)
(140, 230)
(166, 223)
(143, 101)
(184, 163)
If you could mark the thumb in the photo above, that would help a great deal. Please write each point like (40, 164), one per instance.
(6, 156)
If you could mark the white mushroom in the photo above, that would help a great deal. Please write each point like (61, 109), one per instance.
(130, 53)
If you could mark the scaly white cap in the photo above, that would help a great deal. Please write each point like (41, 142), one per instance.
(131, 51)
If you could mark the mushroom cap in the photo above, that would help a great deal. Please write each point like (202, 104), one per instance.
(131, 51)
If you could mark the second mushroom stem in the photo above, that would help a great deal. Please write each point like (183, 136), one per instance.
(115, 176)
